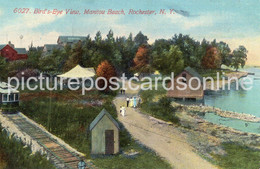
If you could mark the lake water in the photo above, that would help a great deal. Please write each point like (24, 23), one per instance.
(240, 101)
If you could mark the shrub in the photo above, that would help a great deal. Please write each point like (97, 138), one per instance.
(27, 73)
(16, 155)
(161, 109)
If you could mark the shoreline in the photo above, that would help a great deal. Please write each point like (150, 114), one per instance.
(224, 113)
(217, 87)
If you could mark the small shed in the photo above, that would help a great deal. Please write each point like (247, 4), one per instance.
(104, 134)
(188, 93)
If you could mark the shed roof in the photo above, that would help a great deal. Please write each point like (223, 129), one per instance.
(193, 73)
(100, 116)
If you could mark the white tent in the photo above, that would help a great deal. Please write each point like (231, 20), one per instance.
(79, 72)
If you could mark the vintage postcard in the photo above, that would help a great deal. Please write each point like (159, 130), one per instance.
(90, 84)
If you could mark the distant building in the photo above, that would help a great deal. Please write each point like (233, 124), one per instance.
(70, 40)
(48, 48)
(104, 134)
(8, 95)
(11, 53)
(189, 93)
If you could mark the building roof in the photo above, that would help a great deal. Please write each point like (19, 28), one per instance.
(50, 47)
(79, 72)
(20, 50)
(6, 88)
(2, 46)
(194, 73)
(71, 39)
(100, 116)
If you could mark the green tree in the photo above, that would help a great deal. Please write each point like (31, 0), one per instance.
(76, 56)
(98, 37)
(239, 57)
(34, 54)
(140, 39)
(189, 48)
(3, 66)
(169, 61)
(47, 63)
(224, 52)
(110, 37)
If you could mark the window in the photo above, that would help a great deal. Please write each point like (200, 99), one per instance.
(16, 97)
(184, 76)
(5, 97)
(11, 97)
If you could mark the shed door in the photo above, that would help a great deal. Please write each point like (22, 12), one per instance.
(109, 141)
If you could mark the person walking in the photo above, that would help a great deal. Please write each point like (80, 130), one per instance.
(131, 102)
(139, 100)
(123, 111)
(134, 102)
(127, 101)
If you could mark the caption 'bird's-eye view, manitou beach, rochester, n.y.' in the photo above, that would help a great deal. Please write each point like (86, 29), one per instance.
(130, 84)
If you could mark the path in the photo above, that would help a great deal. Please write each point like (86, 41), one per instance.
(59, 155)
(166, 140)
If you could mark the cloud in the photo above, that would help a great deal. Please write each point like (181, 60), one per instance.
(192, 22)
(33, 21)
(30, 21)
(23, 26)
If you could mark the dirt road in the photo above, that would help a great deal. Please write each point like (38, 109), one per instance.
(166, 140)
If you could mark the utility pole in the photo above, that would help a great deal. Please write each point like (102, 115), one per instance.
(49, 112)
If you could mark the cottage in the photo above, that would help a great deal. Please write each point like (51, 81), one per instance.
(11, 53)
(104, 134)
(8, 95)
(189, 93)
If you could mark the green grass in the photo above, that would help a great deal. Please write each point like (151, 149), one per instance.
(146, 160)
(153, 95)
(70, 122)
(156, 104)
(238, 156)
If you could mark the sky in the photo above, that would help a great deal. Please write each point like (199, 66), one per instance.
(236, 22)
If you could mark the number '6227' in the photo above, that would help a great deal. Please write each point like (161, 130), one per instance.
(21, 10)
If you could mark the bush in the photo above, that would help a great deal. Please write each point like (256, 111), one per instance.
(161, 109)
(16, 155)
(27, 73)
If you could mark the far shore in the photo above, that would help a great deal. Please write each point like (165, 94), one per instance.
(221, 84)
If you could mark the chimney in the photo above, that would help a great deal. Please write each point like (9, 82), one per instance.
(10, 44)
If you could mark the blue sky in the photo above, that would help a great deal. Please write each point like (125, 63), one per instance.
(234, 21)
